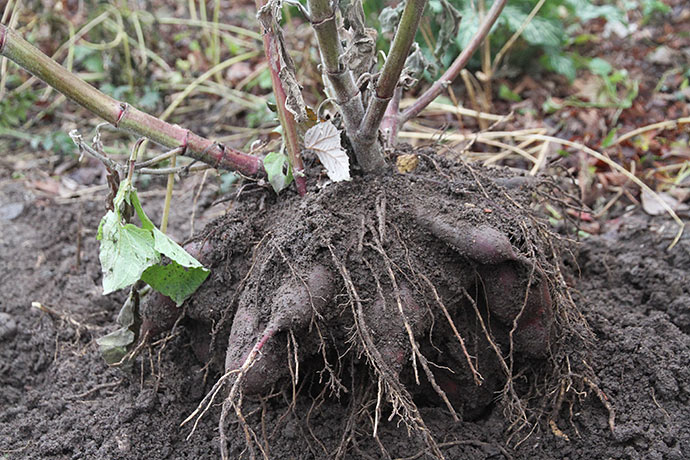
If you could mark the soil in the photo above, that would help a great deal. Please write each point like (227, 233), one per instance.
(58, 398)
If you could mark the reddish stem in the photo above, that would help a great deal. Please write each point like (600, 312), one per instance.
(122, 115)
(391, 120)
(287, 120)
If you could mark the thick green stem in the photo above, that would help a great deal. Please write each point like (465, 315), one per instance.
(122, 115)
(385, 87)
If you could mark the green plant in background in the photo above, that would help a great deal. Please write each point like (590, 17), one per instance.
(14, 107)
(650, 8)
(610, 88)
(545, 36)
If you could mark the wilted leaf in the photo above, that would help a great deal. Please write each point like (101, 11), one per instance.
(279, 59)
(113, 346)
(360, 53)
(415, 66)
(324, 140)
(653, 206)
(174, 280)
(127, 251)
(390, 18)
(449, 21)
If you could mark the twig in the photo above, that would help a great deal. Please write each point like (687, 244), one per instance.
(668, 124)
(159, 158)
(454, 70)
(63, 316)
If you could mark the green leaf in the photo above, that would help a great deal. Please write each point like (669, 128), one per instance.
(94, 63)
(126, 251)
(507, 94)
(600, 67)
(174, 280)
(560, 63)
(227, 180)
(150, 99)
(166, 246)
(550, 106)
(113, 346)
(274, 164)
(608, 140)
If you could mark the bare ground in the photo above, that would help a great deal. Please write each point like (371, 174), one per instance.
(58, 399)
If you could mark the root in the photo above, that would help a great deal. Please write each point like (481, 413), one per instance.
(374, 350)
(467, 442)
(508, 389)
(400, 399)
(236, 391)
(605, 401)
(478, 379)
(416, 353)
(206, 403)
(413, 342)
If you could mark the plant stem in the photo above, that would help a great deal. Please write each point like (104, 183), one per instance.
(347, 95)
(272, 50)
(454, 70)
(133, 158)
(122, 115)
(168, 196)
(389, 124)
(385, 87)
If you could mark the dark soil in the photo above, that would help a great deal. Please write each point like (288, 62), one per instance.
(58, 398)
